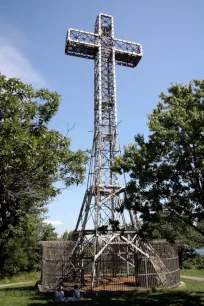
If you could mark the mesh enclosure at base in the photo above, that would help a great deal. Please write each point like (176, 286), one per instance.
(117, 269)
(55, 261)
(146, 274)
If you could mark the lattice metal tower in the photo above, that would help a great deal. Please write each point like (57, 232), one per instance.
(104, 192)
(101, 197)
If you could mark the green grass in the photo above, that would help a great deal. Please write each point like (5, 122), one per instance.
(21, 295)
(192, 285)
(23, 277)
(192, 294)
(193, 272)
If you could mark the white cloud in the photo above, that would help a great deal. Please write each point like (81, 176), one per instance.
(13, 63)
(56, 222)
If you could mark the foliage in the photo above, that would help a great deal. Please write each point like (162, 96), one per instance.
(114, 224)
(187, 264)
(201, 266)
(32, 159)
(24, 240)
(195, 261)
(45, 232)
(67, 235)
(167, 171)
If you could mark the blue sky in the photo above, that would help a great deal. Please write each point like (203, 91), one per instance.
(32, 40)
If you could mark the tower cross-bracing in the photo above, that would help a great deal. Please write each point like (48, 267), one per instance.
(106, 52)
(97, 241)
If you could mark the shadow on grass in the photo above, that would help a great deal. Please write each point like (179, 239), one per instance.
(159, 298)
(176, 298)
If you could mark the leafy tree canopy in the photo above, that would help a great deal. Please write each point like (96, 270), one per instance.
(32, 159)
(67, 235)
(166, 186)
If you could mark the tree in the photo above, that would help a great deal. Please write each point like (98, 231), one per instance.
(24, 240)
(32, 159)
(45, 232)
(166, 171)
(67, 235)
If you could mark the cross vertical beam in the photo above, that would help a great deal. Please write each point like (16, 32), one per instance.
(106, 51)
(103, 194)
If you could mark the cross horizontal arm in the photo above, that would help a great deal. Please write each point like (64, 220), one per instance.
(85, 44)
(81, 44)
(127, 53)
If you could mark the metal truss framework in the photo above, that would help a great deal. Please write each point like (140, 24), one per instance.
(104, 193)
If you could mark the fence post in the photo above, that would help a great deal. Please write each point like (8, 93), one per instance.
(147, 285)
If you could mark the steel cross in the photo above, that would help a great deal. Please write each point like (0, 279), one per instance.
(102, 195)
(97, 251)
(106, 51)
(87, 45)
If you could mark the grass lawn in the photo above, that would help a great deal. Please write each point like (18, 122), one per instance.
(192, 272)
(23, 277)
(190, 295)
